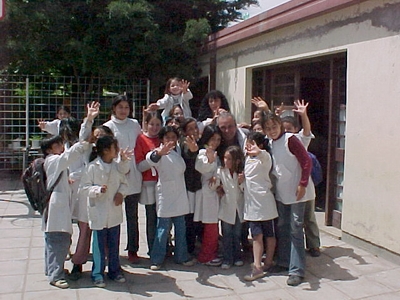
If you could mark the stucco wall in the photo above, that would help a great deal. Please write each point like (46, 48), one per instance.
(371, 196)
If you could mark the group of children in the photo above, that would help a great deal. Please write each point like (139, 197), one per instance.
(180, 169)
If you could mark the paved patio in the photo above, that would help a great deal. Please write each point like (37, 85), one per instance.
(341, 272)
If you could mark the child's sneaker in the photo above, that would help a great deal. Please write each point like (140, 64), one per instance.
(225, 266)
(120, 278)
(255, 274)
(216, 262)
(61, 283)
(189, 263)
(99, 283)
(155, 267)
(239, 263)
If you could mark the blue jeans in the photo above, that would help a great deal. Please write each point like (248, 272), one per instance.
(231, 237)
(55, 251)
(159, 249)
(291, 252)
(132, 224)
(102, 239)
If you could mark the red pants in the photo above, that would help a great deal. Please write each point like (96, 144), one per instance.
(209, 245)
(83, 246)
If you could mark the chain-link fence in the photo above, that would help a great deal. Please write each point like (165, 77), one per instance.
(25, 99)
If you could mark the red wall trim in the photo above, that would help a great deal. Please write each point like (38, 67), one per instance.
(284, 15)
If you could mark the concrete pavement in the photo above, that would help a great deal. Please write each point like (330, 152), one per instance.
(341, 272)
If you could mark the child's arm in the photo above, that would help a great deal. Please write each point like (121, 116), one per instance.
(122, 191)
(298, 150)
(206, 161)
(301, 109)
(161, 103)
(153, 157)
(50, 127)
(140, 155)
(86, 127)
(124, 161)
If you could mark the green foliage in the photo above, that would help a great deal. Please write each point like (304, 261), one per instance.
(154, 39)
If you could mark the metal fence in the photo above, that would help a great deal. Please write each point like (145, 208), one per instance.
(25, 99)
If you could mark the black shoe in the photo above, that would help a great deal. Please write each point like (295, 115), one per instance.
(294, 280)
(315, 252)
(76, 273)
(276, 269)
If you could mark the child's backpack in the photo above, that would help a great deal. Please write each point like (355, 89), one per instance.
(34, 181)
(317, 175)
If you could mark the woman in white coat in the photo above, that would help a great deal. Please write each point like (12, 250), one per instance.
(126, 130)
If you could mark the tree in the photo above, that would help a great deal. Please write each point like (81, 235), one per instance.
(156, 39)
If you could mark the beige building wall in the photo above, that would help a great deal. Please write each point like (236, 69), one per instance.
(371, 193)
(372, 177)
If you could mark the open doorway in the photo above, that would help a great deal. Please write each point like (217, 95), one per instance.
(321, 82)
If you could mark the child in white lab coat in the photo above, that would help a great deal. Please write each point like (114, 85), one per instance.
(230, 176)
(105, 188)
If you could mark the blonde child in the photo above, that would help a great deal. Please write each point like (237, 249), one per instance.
(53, 127)
(292, 168)
(206, 212)
(176, 93)
(230, 212)
(259, 203)
(105, 188)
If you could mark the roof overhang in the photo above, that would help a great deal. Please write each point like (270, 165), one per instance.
(286, 14)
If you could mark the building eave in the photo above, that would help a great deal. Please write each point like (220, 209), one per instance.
(289, 13)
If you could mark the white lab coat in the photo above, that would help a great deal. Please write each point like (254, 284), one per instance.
(259, 202)
(171, 195)
(233, 200)
(59, 212)
(102, 211)
(207, 210)
(167, 103)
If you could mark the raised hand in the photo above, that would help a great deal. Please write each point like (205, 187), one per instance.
(103, 188)
(260, 103)
(41, 123)
(190, 141)
(165, 149)
(252, 149)
(279, 110)
(153, 107)
(93, 110)
(126, 154)
(300, 107)
(211, 155)
(185, 86)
